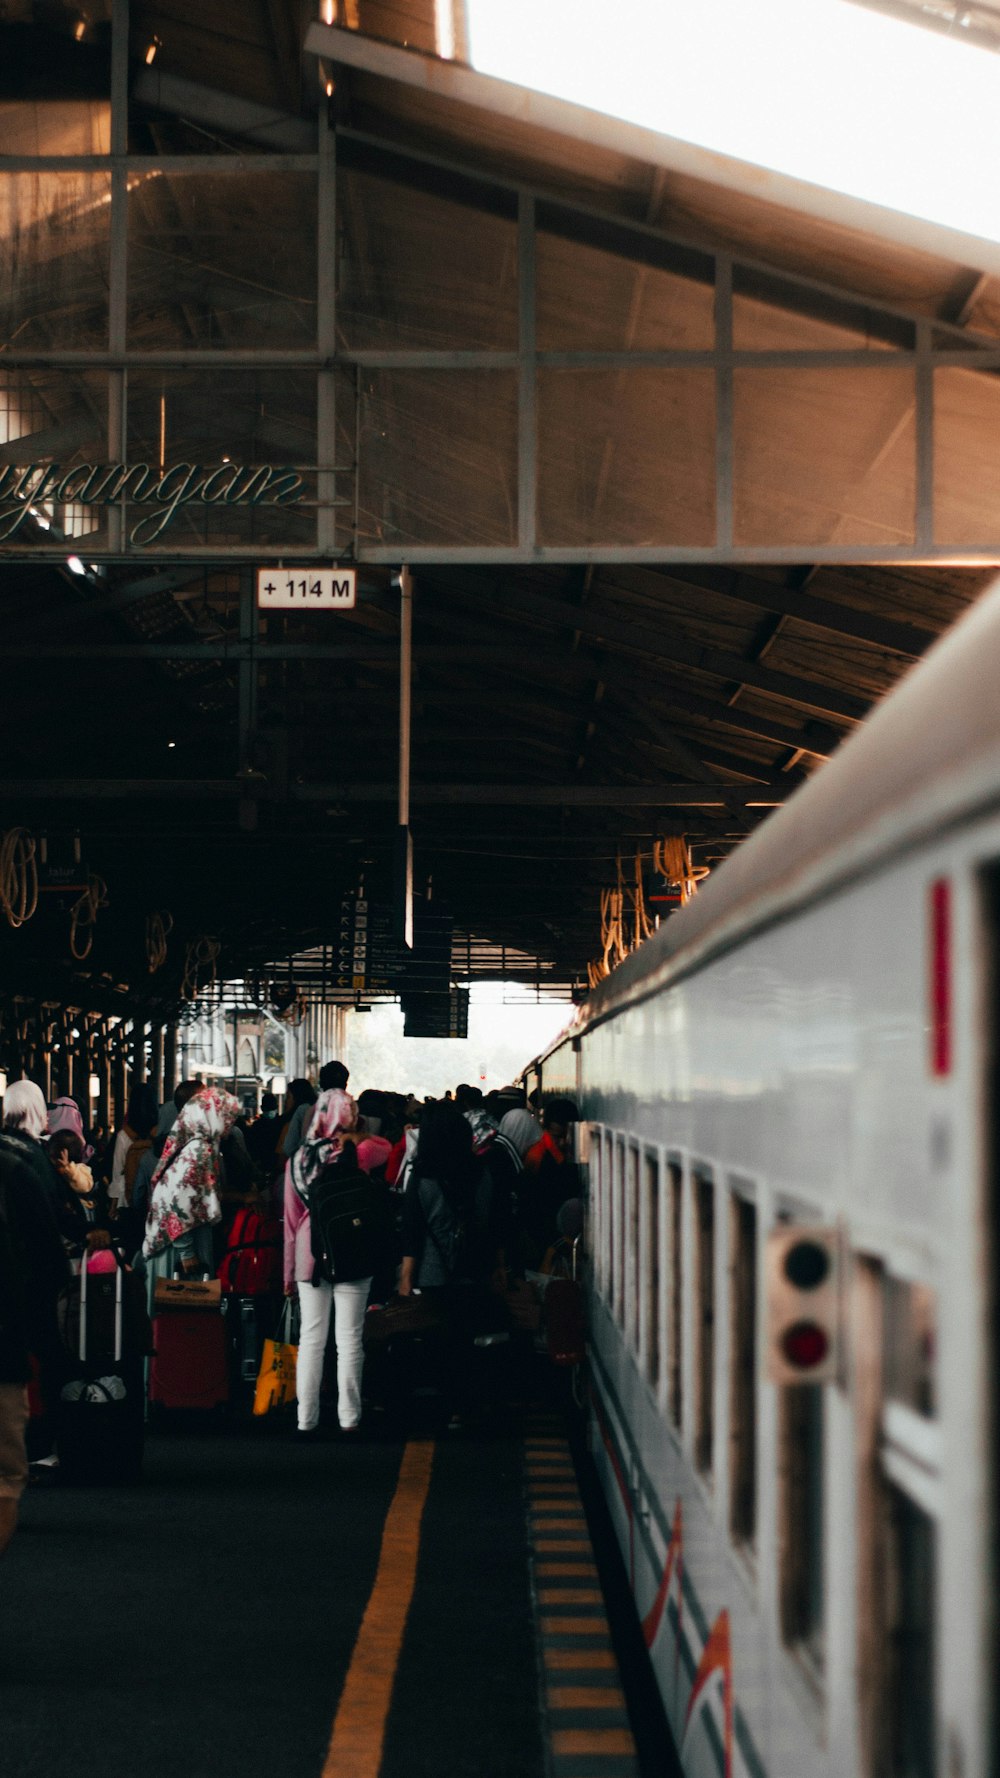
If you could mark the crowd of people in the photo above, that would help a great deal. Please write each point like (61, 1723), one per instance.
(445, 1205)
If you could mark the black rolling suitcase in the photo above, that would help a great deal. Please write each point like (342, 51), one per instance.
(101, 1412)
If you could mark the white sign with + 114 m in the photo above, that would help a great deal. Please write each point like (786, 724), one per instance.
(306, 589)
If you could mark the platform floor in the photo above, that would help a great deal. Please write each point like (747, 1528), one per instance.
(257, 1607)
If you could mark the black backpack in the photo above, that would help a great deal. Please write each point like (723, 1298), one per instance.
(351, 1223)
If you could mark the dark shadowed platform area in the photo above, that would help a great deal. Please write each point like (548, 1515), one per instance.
(204, 1622)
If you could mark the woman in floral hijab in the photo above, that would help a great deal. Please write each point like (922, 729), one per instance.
(334, 1114)
(184, 1194)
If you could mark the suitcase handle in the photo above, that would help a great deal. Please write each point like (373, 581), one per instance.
(119, 1273)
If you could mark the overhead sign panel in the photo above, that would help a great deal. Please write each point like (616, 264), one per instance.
(306, 589)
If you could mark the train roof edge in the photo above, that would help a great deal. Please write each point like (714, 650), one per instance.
(927, 757)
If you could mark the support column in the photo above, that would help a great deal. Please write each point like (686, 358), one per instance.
(326, 337)
(117, 288)
(404, 845)
(156, 1063)
(102, 1060)
(140, 1071)
(170, 1075)
(119, 1080)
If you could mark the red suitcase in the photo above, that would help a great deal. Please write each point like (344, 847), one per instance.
(190, 1368)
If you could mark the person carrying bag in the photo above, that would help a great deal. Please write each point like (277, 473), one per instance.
(338, 1231)
(453, 1247)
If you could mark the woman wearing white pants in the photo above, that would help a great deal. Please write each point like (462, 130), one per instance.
(349, 1302)
(333, 1115)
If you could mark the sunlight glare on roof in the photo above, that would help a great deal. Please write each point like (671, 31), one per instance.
(823, 91)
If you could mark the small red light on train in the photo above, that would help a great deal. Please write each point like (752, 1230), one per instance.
(805, 1345)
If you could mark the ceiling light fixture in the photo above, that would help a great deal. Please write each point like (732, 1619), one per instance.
(151, 52)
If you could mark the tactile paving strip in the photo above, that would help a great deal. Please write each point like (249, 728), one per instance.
(587, 1719)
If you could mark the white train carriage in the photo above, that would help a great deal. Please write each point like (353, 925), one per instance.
(811, 1048)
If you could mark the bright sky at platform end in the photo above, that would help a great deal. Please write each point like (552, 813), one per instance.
(823, 91)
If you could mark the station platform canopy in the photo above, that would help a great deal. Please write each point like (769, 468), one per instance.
(689, 462)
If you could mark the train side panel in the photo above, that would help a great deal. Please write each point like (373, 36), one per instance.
(795, 1077)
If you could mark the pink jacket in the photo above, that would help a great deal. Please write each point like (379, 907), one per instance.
(298, 1236)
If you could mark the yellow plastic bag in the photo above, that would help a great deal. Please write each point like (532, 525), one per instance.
(276, 1378)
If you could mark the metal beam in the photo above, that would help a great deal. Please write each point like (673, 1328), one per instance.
(216, 110)
(668, 644)
(825, 614)
(83, 790)
(456, 84)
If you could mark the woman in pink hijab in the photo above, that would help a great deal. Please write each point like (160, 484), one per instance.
(327, 1144)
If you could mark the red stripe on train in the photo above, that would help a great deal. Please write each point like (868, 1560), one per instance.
(940, 977)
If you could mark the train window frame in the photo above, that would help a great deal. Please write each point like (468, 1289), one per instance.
(806, 1651)
(594, 1243)
(633, 1247)
(803, 1445)
(609, 1233)
(651, 1266)
(674, 1391)
(743, 1264)
(704, 1304)
(618, 1213)
(900, 1498)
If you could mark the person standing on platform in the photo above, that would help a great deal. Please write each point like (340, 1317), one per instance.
(333, 1078)
(33, 1271)
(184, 1199)
(25, 1122)
(133, 1140)
(300, 1098)
(327, 1146)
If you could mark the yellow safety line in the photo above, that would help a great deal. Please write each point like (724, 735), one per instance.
(358, 1733)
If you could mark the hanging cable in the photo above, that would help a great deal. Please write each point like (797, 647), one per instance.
(202, 953)
(18, 875)
(672, 860)
(83, 917)
(159, 926)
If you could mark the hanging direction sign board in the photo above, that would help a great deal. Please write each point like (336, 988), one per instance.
(371, 959)
(306, 589)
(368, 957)
(436, 1015)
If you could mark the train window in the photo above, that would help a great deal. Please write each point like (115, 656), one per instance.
(620, 1226)
(651, 1271)
(595, 1216)
(898, 1470)
(743, 1370)
(607, 1212)
(909, 1344)
(675, 1299)
(704, 1352)
(910, 1608)
(800, 1542)
(633, 1254)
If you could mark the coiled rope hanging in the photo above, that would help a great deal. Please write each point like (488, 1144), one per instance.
(625, 919)
(83, 917)
(672, 859)
(18, 875)
(159, 926)
(202, 953)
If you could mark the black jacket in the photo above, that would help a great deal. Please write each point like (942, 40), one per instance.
(33, 1268)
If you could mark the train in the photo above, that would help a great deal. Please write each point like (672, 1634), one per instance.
(789, 1110)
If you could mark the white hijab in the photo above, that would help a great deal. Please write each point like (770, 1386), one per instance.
(521, 1129)
(24, 1109)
